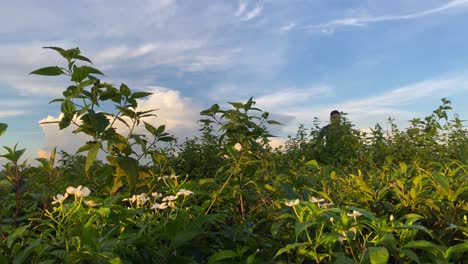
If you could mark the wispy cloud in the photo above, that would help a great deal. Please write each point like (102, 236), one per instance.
(253, 13)
(290, 96)
(331, 26)
(368, 111)
(242, 7)
(188, 56)
(288, 26)
(10, 113)
(18, 60)
(245, 14)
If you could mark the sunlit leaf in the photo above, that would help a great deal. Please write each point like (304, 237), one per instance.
(49, 71)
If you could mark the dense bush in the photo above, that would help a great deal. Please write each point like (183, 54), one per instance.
(397, 196)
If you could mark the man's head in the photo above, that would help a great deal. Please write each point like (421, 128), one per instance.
(335, 116)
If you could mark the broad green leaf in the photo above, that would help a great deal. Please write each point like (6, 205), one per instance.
(272, 122)
(341, 258)
(300, 227)
(160, 129)
(18, 233)
(150, 128)
(44, 162)
(425, 245)
(288, 248)
(49, 71)
(59, 50)
(68, 107)
(137, 95)
(80, 73)
(442, 180)
(98, 121)
(410, 254)
(83, 58)
(237, 105)
(378, 255)
(57, 100)
(166, 139)
(220, 255)
(312, 163)
(403, 167)
(24, 254)
(130, 166)
(456, 249)
(3, 128)
(124, 90)
(115, 260)
(6, 184)
(65, 121)
(92, 153)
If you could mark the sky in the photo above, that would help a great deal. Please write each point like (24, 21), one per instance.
(298, 59)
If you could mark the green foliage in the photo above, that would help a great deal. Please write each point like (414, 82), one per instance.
(80, 107)
(3, 128)
(332, 195)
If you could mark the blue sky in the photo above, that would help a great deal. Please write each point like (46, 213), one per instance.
(299, 59)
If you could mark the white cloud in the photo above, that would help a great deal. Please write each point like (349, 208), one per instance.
(186, 55)
(242, 7)
(255, 12)
(290, 96)
(330, 26)
(288, 27)
(18, 60)
(10, 113)
(368, 111)
(176, 112)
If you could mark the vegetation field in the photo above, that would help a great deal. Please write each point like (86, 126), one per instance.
(226, 196)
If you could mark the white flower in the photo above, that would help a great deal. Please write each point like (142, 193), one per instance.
(156, 195)
(71, 190)
(169, 198)
(392, 218)
(354, 214)
(142, 197)
(134, 198)
(184, 192)
(171, 204)
(59, 198)
(91, 203)
(160, 206)
(238, 146)
(325, 205)
(343, 237)
(315, 200)
(174, 177)
(292, 203)
(332, 219)
(83, 192)
(79, 191)
(163, 177)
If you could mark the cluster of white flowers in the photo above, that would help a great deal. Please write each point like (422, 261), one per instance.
(165, 177)
(167, 201)
(79, 191)
(320, 202)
